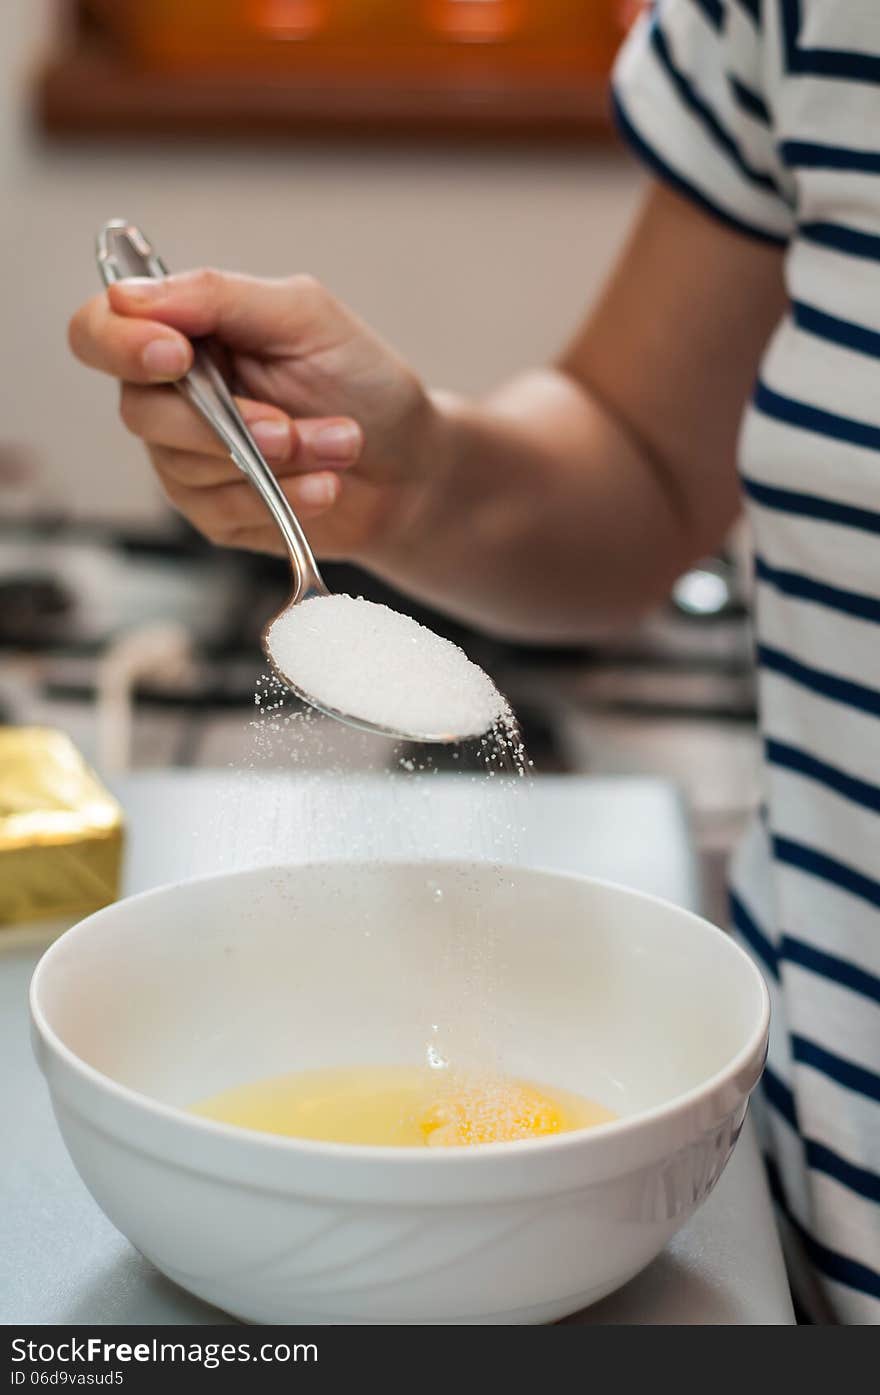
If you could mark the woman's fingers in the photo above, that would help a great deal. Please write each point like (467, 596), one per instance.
(161, 417)
(226, 511)
(247, 313)
(136, 350)
(139, 330)
(194, 456)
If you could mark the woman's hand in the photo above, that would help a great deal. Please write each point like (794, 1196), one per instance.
(342, 421)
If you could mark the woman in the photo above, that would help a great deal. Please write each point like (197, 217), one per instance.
(756, 254)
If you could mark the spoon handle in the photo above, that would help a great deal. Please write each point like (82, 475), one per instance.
(123, 251)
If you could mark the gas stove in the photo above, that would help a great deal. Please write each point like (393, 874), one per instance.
(69, 592)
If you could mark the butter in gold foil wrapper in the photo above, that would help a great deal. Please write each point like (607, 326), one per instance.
(61, 833)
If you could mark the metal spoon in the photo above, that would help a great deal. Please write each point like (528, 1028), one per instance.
(123, 251)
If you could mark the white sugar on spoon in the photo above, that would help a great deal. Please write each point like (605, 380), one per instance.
(373, 667)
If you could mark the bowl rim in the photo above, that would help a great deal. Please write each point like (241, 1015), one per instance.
(401, 1158)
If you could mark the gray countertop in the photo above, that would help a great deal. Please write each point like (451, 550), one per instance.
(61, 1261)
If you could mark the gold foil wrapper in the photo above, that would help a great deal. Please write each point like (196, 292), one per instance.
(61, 833)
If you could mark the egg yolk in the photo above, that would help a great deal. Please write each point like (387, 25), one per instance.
(491, 1112)
(402, 1106)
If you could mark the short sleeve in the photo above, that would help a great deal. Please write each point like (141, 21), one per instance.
(690, 94)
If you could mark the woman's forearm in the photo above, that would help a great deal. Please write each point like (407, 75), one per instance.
(571, 499)
(548, 520)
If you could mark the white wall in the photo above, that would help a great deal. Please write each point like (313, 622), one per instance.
(473, 264)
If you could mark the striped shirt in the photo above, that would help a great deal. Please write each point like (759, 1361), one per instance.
(766, 113)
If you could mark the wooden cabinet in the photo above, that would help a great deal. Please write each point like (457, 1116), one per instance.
(516, 68)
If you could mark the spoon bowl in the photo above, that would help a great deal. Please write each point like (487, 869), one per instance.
(360, 723)
(396, 677)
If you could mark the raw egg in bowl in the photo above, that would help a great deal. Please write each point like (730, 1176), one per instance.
(275, 1084)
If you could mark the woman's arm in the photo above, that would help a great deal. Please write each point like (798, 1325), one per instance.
(567, 500)
(574, 496)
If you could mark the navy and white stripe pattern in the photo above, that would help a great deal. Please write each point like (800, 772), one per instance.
(767, 114)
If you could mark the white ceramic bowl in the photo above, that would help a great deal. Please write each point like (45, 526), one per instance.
(171, 996)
